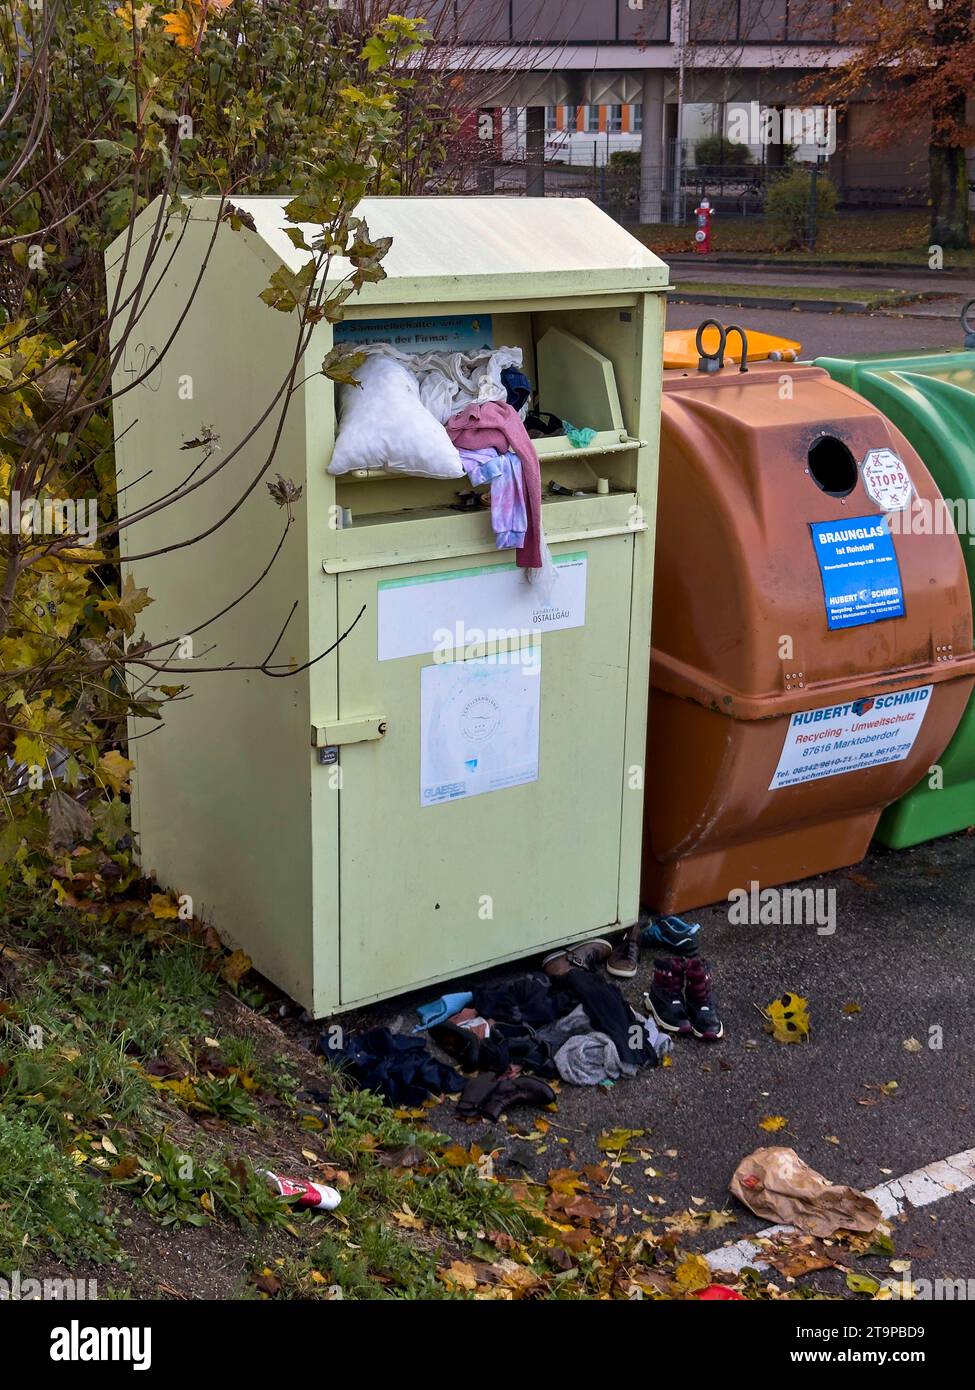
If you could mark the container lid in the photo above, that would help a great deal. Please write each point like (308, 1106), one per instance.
(459, 249)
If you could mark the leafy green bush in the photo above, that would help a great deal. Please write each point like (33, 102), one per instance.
(716, 154)
(111, 105)
(788, 208)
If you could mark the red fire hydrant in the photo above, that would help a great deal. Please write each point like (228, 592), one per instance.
(702, 237)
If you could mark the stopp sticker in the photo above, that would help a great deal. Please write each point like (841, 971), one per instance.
(886, 479)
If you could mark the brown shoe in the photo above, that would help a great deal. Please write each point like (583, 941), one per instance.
(586, 956)
(626, 955)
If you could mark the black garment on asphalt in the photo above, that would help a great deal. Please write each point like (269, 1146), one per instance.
(610, 1014)
(397, 1066)
(533, 999)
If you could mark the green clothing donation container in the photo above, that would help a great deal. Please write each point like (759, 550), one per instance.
(931, 399)
(460, 781)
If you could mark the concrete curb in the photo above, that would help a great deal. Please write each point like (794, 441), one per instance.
(759, 301)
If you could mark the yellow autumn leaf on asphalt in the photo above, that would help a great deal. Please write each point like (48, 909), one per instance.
(788, 1018)
(115, 769)
(773, 1123)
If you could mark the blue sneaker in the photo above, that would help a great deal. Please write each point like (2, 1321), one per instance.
(674, 933)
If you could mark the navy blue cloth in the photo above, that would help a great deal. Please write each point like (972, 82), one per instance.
(398, 1067)
(517, 385)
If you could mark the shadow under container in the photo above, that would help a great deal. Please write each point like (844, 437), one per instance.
(931, 400)
(807, 667)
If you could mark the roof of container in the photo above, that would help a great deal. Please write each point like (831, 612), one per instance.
(564, 245)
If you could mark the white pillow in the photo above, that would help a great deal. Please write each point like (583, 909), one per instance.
(384, 425)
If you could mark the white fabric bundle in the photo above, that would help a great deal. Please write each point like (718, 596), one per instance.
(449, 381)
(385, 425)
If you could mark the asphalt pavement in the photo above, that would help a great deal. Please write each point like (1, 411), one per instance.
(898, 969)
(835, 335)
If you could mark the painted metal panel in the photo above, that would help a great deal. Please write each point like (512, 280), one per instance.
(428, 891)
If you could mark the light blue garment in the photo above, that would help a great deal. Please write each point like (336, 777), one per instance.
(509, 508)
(441, 1009)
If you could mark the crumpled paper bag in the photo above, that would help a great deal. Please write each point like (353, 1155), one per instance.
(775, 1183)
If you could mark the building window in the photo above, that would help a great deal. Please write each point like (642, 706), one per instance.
(637, 119)
(592, 120)
(551, 118)
(614, 119)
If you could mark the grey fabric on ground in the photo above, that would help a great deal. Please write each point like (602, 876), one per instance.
(661, 1043)
(586, 1059)
(558, 1032)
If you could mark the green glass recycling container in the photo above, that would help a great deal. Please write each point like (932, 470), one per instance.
(931, 399)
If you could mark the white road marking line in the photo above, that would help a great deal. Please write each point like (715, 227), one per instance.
(940, 1179)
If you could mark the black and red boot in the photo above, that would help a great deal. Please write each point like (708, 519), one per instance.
(665, 998)
(699, 1000)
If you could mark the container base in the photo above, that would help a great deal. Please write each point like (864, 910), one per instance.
(924, 815)
(698, 880)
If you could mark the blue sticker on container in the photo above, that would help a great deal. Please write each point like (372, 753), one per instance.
(859, 569)
(447, 333)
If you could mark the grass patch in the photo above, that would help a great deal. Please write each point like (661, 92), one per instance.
(851, 238)
(871, 299)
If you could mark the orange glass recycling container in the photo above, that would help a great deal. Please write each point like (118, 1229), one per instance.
(810, 658)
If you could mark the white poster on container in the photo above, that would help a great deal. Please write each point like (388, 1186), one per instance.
(459, 611)
(845, 738)
(479, 724)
